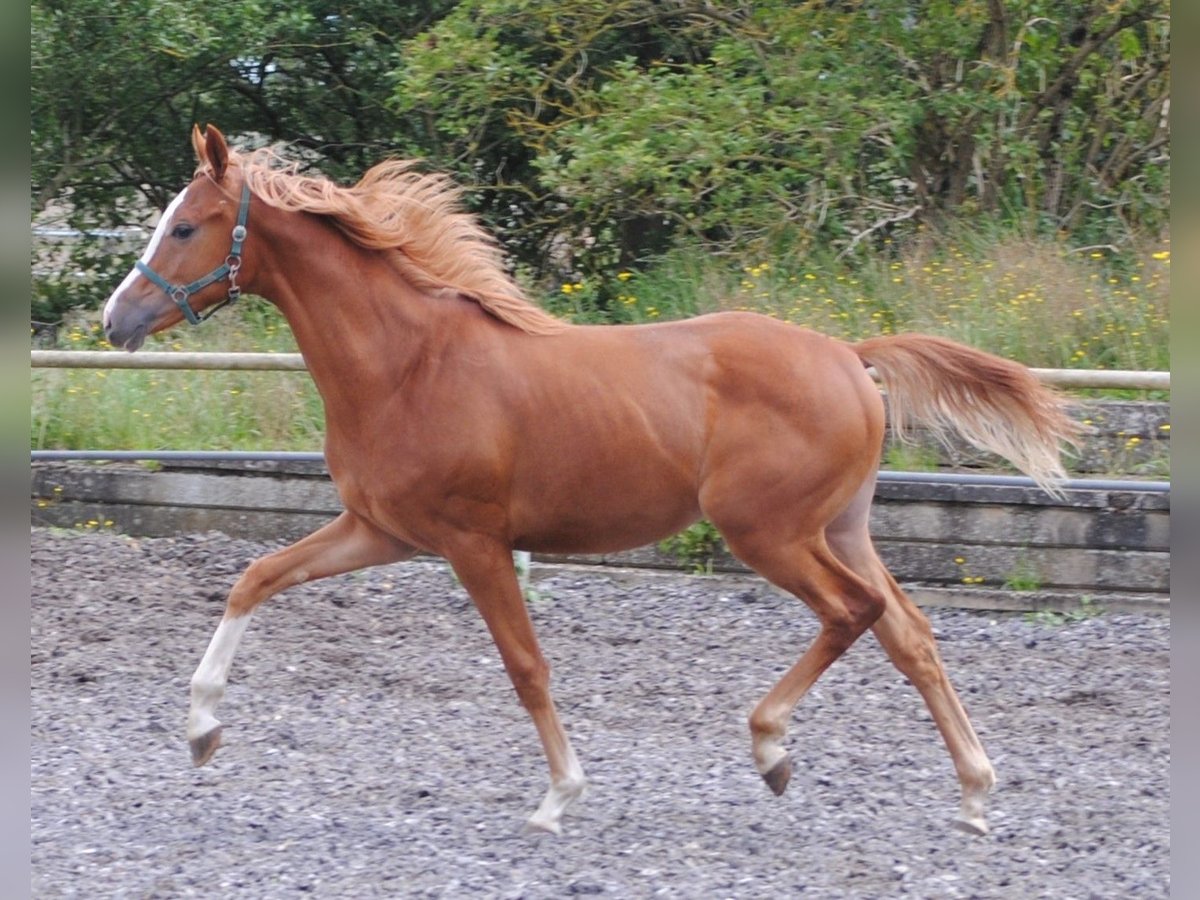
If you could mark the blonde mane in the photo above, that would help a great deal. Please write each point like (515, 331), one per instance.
(393, 207)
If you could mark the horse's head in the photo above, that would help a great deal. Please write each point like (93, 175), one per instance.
(193, 259)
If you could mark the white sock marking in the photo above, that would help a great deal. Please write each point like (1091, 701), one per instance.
(208, 684)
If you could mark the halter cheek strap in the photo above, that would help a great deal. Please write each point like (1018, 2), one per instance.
(228, 269)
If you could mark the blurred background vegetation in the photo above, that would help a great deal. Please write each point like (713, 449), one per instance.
(604, 134)
(994, 171)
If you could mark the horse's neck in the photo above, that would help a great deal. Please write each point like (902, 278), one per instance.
(356, 322)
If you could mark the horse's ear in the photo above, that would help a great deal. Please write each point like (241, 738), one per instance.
(216, 151)
(198, 145)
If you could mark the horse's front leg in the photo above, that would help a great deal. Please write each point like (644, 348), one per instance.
(486, 571)
(345, 544)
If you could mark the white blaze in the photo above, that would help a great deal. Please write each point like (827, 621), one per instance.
(149, 252)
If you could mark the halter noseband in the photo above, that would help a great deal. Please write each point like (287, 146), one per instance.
(228, 269)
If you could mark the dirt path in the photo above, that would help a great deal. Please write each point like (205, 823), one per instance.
(374, 747)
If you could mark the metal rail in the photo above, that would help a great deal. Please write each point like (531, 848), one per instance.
(1071, 484)
(178, 455)
(294, 362)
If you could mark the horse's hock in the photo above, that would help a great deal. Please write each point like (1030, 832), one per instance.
(969, 545)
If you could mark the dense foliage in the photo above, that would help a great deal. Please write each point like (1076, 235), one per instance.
(601, 133)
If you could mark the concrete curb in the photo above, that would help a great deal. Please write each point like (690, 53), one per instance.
(955, 544)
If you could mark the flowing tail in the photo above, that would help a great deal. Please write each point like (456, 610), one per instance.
(997, 405)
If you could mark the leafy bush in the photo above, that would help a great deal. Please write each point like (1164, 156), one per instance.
(627, 128)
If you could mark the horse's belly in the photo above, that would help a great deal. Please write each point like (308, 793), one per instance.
(602, 512)
(603, 534)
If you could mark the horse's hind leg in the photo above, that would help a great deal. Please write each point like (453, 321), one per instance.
(905, 634)
(487, 572)
(846, 606)
(345, 544)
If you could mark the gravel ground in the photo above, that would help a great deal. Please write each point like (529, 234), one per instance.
(373, 746)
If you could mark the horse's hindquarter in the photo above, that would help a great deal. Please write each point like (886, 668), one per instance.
(797, 427)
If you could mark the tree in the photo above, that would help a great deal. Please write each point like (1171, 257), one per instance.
(618, 128)
(604, 132)
(116, 88)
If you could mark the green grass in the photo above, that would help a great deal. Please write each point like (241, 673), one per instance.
(695, 546)
(146, 409)
(910, 458)
(1028, 299)
(1023, 577)
(1087, 609)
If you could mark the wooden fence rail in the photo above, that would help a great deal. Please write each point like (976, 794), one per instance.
(116, 359)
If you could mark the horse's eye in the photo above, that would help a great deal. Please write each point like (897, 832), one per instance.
(182, 231)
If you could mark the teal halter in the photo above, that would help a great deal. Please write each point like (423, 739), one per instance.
(229, 269)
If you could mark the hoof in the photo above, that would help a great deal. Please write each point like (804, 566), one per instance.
(778, 775)
(972, 825)
(559, 799)
(537, 825)
(205, 746)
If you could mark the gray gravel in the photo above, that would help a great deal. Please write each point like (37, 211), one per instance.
(375, 749)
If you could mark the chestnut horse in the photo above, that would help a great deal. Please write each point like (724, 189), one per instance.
(464, 421)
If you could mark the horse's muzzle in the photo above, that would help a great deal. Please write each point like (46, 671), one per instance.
(127, 329)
